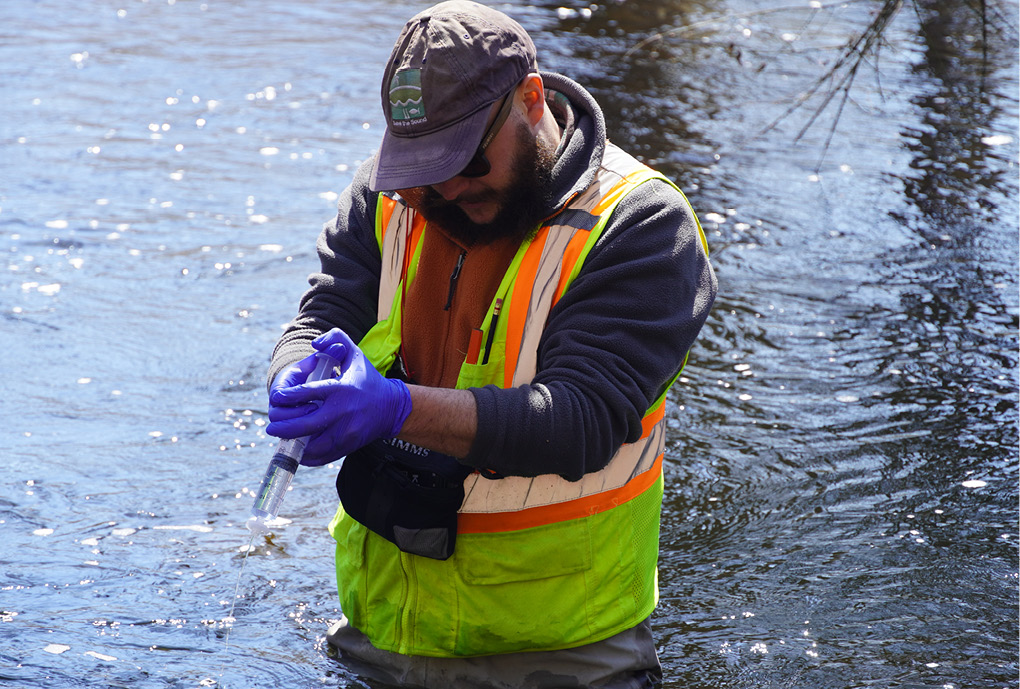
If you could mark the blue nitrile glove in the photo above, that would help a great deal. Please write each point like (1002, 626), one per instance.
(341, 414)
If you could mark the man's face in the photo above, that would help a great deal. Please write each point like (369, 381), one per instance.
(507, 202)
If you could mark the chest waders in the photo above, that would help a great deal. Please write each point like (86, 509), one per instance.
(540, 563)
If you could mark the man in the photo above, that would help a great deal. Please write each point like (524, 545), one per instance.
(510, 297)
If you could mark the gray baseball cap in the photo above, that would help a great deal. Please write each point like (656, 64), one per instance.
(449, 65)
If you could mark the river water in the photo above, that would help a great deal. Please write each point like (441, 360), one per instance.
(841, 506)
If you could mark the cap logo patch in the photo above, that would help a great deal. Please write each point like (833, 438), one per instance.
(406, 105)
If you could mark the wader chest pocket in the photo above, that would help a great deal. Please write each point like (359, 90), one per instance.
(407, 494)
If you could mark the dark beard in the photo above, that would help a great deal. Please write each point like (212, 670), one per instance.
(525, 202)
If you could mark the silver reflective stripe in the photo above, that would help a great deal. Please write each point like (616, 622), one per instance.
(517, 492)
(393, 248)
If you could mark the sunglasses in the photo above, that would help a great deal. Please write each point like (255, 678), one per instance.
(479, 165)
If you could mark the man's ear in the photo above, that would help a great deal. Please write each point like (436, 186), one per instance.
(533, 97)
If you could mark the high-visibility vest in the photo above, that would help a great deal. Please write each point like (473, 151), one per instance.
(541, 563)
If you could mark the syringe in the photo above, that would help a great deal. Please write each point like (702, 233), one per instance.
(276, 482)
(283, 464)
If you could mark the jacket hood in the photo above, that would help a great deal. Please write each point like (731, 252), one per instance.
(580, 155)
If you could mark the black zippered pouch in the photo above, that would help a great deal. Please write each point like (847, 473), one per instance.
(407, 494)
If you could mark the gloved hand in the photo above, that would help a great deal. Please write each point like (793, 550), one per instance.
(297, 374)
(340, 414)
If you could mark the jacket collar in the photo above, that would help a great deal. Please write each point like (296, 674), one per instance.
(584, 143)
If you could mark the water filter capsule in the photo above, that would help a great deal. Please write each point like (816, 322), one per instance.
(283, 464)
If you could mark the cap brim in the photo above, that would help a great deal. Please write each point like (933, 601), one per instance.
(404, 162)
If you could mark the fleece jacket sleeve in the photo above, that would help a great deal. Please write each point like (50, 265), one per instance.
(344, 294)
(615, 339)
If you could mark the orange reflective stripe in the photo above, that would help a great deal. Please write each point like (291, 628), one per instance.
(570, 258)
(520, 301)
(619, 190)
(653, 417)
(494, 522)
(386, 205)
(385, 212)
(416, 230)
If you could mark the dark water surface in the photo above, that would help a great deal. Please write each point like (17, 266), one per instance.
(841, 505)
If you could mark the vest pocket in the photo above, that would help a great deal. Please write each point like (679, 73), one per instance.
(480, 375)
(517, 556)
(524, 590)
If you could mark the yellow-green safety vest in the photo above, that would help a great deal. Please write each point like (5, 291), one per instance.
(541, 563)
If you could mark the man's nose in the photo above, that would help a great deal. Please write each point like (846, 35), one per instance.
(451, 188)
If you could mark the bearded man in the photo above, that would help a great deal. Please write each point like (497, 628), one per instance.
(510, 297)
